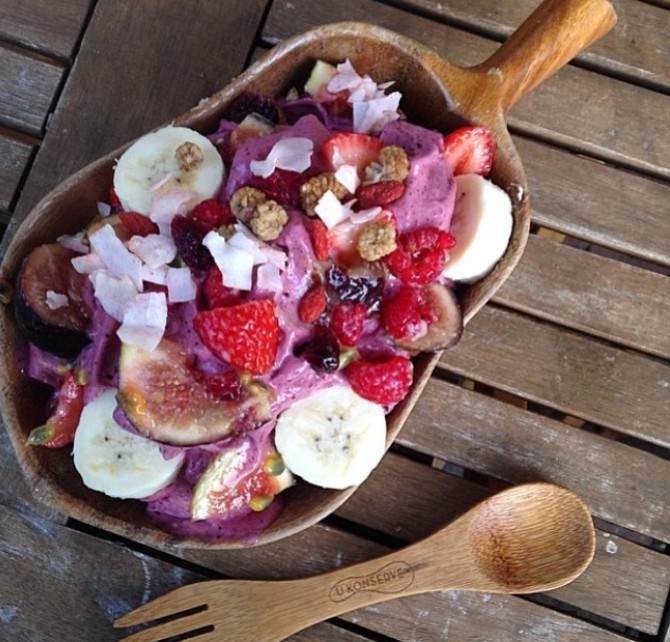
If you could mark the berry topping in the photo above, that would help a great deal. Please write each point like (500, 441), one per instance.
(313, 303)
(420, 256)
(469, 150)
(322, 352)
(248, 103)
(347, 321)
(407, 313)
(244, 335)
(282, 186)
(137, 224)
(188, 239)
(384, 381)
(216, 293)
(226, 386)
(346, 148)
(318, 233)
(209, 214)
(361, 289)
(382, 193)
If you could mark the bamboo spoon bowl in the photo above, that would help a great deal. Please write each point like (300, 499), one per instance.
(436, 94)
(527, 539)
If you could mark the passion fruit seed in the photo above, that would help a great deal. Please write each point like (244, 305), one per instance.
(41, 435)
(261, 502)
(274, 464)
(6, 292)
(81, 376)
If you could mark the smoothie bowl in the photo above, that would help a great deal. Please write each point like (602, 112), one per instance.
(226, 322)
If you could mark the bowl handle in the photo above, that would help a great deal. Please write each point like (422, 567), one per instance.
(556, 32)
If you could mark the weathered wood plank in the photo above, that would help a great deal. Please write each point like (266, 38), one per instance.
(584, 110)
(609, 299)
(405, 499)
(27, 89)
(620, 484)
(49, 27)
(14, 157)
(636, 47)
(139, 91)
(567, 372)
(622, 211)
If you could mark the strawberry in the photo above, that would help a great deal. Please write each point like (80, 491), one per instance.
(469, 150)
(216, 293)
(244, 335)
(282, 186)
(346, 148)
(137, 224)
(379, 194)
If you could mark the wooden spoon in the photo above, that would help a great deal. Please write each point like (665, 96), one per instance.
(530, 538)
(436, 94)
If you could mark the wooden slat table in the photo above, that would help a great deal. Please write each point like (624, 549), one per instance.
(564, 376)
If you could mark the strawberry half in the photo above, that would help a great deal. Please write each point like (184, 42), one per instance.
(245, 336)
(351, 149)
(469, 150)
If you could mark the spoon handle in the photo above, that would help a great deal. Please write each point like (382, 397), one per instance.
(556, 32)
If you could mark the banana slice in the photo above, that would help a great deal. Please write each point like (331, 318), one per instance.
(482, 225)
(114, 461)
(168, 158)
(332, 439)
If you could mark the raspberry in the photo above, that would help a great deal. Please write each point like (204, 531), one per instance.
(406, 314)
(420, 256)
(318, 232)
(321, 352)
(246, 335)
(137, 224)
(216, 293)
(188, 239)
(382, 193)
(347, 321)
(282, 186)
(208, 215)
(248, 103)
(385, 381)
(312, 304)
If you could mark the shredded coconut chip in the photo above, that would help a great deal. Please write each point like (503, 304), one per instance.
(73, 242)
(88, 263)
(166, 204)
(113, 293)
(331, 211)
(348, 176)
(55, 300)
(144, 320)
(180, 284)
(268, 278)
(236, 265)
(293, 154)
(154, 249)
(116, 256)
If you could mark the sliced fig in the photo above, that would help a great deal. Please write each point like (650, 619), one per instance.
(446, 330)
(167, 399)
(50, 308)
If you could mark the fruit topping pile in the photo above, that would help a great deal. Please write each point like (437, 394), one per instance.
(244, 308)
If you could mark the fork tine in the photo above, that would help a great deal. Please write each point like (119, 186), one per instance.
(180, 599)
(187, 624)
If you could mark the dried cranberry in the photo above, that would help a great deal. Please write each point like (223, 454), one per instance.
(248, 103)
(188, 239)
(322, 352)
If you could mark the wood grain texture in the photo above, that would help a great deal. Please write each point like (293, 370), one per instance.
(48, 27)
(604, 205)
(14, 157)
(565, 371)
(609, 299)
(27, 88)
(198, 48)
(589, 112)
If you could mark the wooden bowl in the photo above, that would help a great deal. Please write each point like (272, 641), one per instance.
(436, 94)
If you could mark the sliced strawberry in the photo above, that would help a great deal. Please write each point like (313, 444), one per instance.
(346, 148)
(137, 224)
(245, 335)
(216, 293)
(469, 150)
(379, 194)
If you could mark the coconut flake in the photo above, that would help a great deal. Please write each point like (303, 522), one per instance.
(154, 249)
(144, 320)
(365, 216)
(104, 209)
(55, 300)
(331, 211)
(73, 242)
(88, 263)
(236, 265)
(245, 240)
(166, 204)
(372, 115)
(180, 284)
(268, 278)
(113, 293)
(116, 257)
(155, 275)
(293, 154)
(347, 175)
